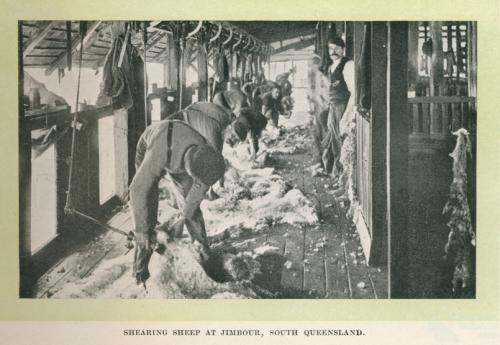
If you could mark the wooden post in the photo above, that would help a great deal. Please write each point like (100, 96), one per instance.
(397, 158)
(202, 68)
(24, 179)
(181, 64)
(458, 39)
(412, 55)
(234, 65)
(472, 59)
(229, 57)
(378, 252)
(269, 68)
(121, 153)
(145, 70)
(357, 41)
(358, 34)
(436, 74)
(165, 73)
(172, 62)
(349, 39)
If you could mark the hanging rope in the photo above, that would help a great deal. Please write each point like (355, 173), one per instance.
(181, 66)
(145, 41)
(69, 208)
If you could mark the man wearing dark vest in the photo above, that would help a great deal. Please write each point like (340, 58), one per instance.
(341, 78)
(211, 121)
(175, 148)
(208, 119)
(232, 99)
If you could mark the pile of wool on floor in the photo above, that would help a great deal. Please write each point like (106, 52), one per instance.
(251, 200)
(461, 238)
(348, 160)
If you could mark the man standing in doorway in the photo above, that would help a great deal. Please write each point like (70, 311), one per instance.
(341, 78)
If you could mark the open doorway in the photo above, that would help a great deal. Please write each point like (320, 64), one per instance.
(107, 174)
(44, 199)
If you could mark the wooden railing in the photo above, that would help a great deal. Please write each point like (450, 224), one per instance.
(437, 117)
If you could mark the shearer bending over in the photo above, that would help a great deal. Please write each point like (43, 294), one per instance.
(174, 148)
(208, 119)
(232, 99)
(250, 122)
(272, 105)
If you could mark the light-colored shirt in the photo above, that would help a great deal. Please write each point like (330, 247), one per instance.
(348, 73)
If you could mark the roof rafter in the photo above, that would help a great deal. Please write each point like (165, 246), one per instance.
(75, 45)
(38, 37)
(296, 45)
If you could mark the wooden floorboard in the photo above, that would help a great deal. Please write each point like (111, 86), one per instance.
(84, 260)
(277, 235)
(292, 278)
(360, 283)
(322, 260)
(314, 264)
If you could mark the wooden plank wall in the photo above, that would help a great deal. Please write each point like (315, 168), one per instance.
(121, 153)
(378, 145)
(397, 164)
(24, 177)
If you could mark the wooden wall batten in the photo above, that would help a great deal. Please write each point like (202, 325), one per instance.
(378, 145)
(24, 177)
(397, 158)
(202, 58)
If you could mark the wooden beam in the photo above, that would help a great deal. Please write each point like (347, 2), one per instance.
(413, 54)
(378, 226)
(296, 46)
(172, 62)
(357, 42)
(202, 68)
(441, 99)
(186, 57)
(24, 180)
(91, 39)
(349, 39)
(34, 40)
(155, 38)
(193, 67)
(158, 55)
(75, 44)
(436, 75)
(397, 158)
(296, 57)
(472, 58)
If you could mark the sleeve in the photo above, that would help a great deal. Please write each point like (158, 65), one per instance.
(266, 106)
(150, 170)
(215, 135)
(255, 141)
(349, 75)
(266, 100)
(194, 198)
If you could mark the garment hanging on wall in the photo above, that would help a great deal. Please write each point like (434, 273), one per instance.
(122, 82)
(323, 33)
(363, 72)
(42, 139)
(221, 65)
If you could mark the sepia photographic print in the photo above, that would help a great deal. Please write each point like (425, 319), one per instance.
(247, 159)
